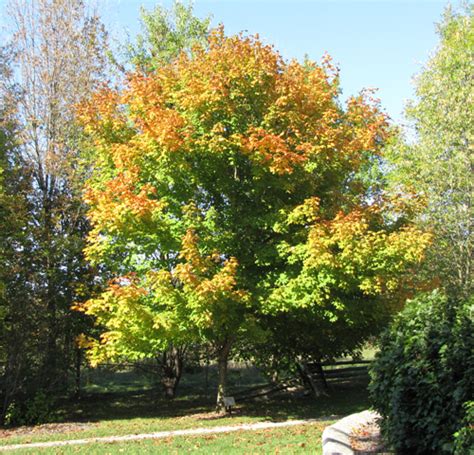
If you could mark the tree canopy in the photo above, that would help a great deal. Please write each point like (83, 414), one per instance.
(230, 183)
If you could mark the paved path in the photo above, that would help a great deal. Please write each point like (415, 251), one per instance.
(161, 434)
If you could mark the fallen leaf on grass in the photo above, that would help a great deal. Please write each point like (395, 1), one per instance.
(209, 437)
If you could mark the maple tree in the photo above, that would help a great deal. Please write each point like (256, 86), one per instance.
(230, 184)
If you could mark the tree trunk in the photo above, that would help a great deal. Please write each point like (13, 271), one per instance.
(169, 387)
(171, 370)
(207, 370)
(318, 385)
(322, 383)
(77, 391)
(223, 357)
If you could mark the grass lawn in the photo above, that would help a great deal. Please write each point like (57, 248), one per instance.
(301, 439)
(133, 407)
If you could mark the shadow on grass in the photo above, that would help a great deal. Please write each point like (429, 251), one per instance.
(194, 403)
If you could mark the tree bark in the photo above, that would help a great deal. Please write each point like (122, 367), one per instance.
(77, 391)
(223, 357)
(171, 370)
(207, 370)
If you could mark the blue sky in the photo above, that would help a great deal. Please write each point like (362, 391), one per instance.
(376, 43)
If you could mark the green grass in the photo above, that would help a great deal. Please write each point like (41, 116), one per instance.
(369, 351)
(134, 407)
(301, 439)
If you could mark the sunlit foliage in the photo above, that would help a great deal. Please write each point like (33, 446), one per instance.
(230, 183)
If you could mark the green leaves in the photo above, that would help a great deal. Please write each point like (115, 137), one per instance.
(165, 34)
(423, 374)
(438, 164)
(243, 187)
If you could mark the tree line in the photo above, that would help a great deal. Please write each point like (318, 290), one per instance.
(195, 191)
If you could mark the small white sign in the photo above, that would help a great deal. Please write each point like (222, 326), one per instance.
(229, 401)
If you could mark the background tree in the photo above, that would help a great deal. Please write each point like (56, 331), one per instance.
(438, 162)
(229, 184)
(15, 267)
(422, 377)
(165, 34)
(59, 49)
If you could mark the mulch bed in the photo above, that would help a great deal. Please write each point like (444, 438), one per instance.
(366, 439)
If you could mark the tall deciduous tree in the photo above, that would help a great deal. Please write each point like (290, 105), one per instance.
(19, 356)
(438, 162)
(229, 184)
(59, 59)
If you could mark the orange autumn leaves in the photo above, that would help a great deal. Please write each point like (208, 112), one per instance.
(225, 145)
(273, 151)
(240, 94)
(120, 197)
(237, 96)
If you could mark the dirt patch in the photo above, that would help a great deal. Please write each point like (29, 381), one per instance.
(46, 428)
(211, 415)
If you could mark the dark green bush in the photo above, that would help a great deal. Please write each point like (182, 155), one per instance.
(423, 375)
(464, 438)
(38, 409)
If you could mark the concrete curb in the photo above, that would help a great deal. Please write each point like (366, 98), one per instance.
(337, 437)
